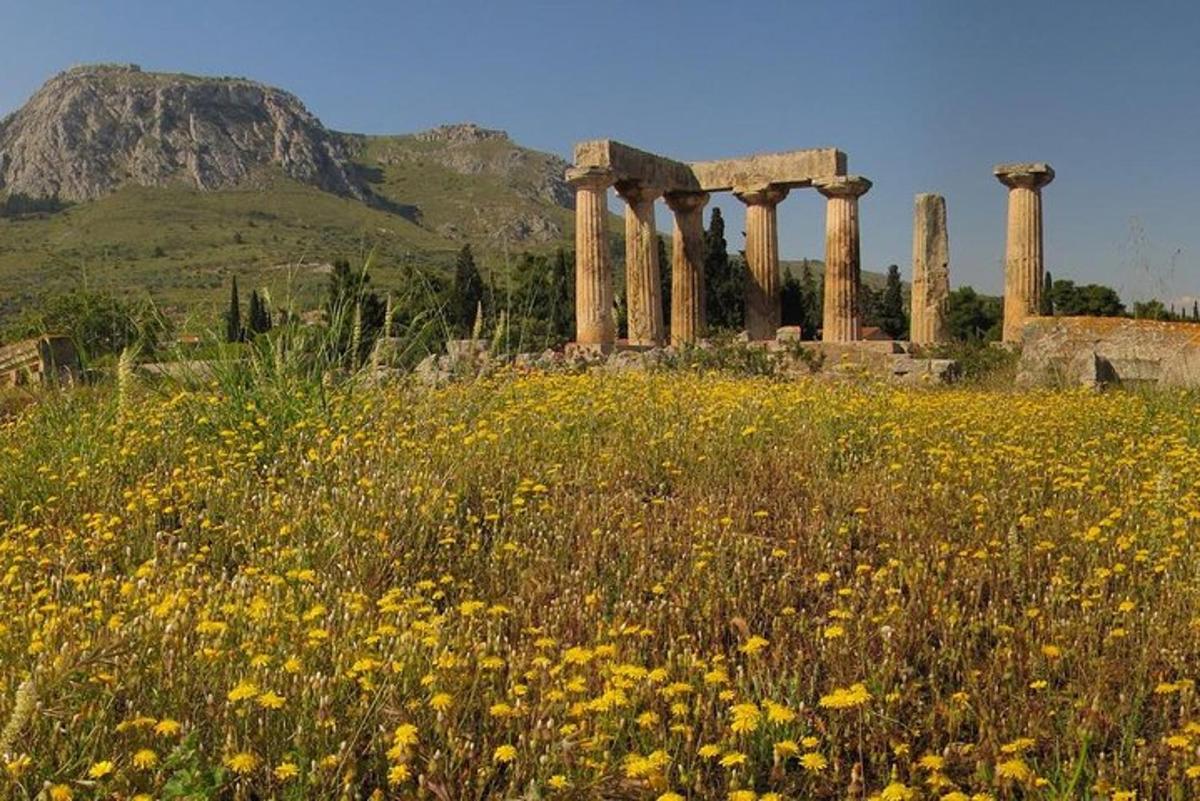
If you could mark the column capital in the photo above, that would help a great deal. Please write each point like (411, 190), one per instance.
(760, 194)
(1029, 175)
(634, 192)
(681, 202)
(842, 186)
(590, 177)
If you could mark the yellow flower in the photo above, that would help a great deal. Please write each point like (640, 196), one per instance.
(167, 727)
(813, 762)
(897, 791)
(786, 748)
(270, 700)
(145, 759)
(398, 774)
(405, 736)
(241, 763)
(754, 645)
(60, 792)
(558, 782)
(286, 770)
(100, 769)
(745, 718)
(242, 691)
(504, 753)
(733, 759)
(846, 698)
(1015, 769)
(670, 797)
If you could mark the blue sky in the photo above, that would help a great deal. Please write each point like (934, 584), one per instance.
(923, 96)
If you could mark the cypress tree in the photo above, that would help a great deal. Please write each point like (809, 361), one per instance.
(664, 278)
(233, 317)
(468, 291)
(724, 292)
(562, 314)
(810, 318)
(892, 319)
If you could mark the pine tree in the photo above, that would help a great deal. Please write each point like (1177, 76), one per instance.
(1047, 306)
(892, 320)
(468, 291)
(233, 316)
(723, 282)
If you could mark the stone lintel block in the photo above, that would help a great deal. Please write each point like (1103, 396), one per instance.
(1032, 174)
(788, 169)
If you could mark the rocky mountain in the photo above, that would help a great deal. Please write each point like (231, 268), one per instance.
(92, 129)
(168, 183)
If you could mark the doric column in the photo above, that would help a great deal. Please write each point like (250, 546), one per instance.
(1023, 266)
(593, 274)
(643, 289)
(762, 259)
(930, 271)
(687, 266)
(843, 272)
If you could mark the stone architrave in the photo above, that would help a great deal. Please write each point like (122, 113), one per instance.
(594, 323)
(930, 271)
(687, 267)
(1024, 270)
(643, 287)
(843, 271)
(763, 309)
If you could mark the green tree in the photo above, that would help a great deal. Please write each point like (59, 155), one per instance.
(561, 296)
(811, 311)
(1152, 309)
(467, 293)
(971, 317)
(664, 278)
(791, 300)
(233, 316)
(892, 319)
(1094, 300)
(99, 323)
(724, 279)
(1046, 309)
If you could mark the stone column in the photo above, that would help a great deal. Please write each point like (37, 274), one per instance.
(930, 271)
(687, 266)
(843, 272)
(643, 289)
(762, 259)
(594, 324)
(1023, 266)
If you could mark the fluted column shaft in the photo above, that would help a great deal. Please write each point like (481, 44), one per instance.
(930, 271)
(842, 313)
(763, 309)
(1024, 269)
(643, 287)
(594, 324)
(687, 267)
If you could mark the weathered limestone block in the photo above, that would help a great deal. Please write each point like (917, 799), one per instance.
(687, 267)
(930, 272)
(643, 288)
(1100, 350)
(763, 299)
(1023, 266)
(594, 323)
(843, 270)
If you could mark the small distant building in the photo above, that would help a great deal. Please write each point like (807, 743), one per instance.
(47, 358)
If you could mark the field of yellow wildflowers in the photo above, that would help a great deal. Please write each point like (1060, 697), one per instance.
(651, 586)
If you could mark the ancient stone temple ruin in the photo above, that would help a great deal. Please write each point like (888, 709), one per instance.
(761, 182)
(1024, 270)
